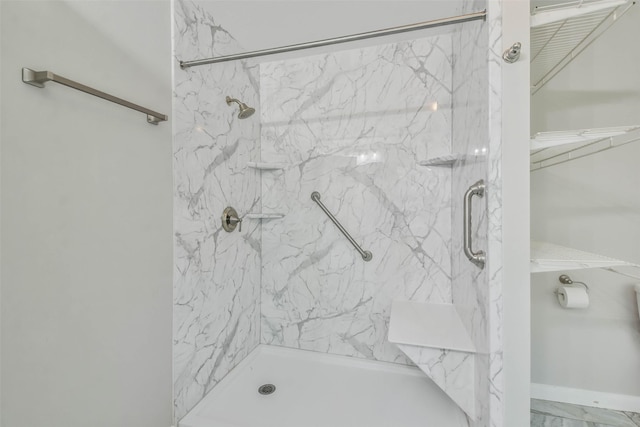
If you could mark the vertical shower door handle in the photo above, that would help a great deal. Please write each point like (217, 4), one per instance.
(478, 258)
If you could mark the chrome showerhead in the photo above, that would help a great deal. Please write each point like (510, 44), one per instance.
(245, 110)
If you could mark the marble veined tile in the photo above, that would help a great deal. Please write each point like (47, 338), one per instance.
(352, 126)
(452, 371)
(633, 416)
(216, 274)
(540, 420)
(584, 413)
(470, 284)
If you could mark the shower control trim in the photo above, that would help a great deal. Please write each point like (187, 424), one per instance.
(476, 257)
(230, 220)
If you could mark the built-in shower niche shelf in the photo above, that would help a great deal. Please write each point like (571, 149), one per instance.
(447, 160)
(266, 166)
(264, 216)
(435, 339)
(547, 257)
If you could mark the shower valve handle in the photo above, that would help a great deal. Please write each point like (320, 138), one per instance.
(231, 220)
(235, 221)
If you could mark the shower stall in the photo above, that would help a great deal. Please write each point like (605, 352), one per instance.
(349, 242)
(344, 229)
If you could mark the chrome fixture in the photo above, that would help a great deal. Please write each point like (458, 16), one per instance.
(38, 79)
(344, 39)
(230, 220)
(566, 280)
(366, 255)
(266, 389)
(512, 54)
(478, 258)
(245, 110)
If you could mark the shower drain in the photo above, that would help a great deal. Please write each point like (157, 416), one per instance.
(266, 389)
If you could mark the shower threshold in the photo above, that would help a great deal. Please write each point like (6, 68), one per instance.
(320, 390)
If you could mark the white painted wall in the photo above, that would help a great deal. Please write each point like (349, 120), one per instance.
(590, 204)
(86, 217)
(515, 214)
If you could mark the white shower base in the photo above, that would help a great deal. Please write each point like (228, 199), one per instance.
(321, 390)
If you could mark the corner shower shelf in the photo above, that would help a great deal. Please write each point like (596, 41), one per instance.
(547, 257)
(435, 339)
(266, 166)
(264, 216)
(560, 32)
(446, 160)
(551, 148)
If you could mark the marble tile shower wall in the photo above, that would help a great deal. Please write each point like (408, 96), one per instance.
(494, 297)
(477, 294)
(470, 119)
(352, 125)
(217, 274)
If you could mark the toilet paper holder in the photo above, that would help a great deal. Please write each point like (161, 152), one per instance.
(566, 280)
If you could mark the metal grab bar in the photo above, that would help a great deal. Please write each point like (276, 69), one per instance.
(38, 79)
(336, 40)
(478, 258)
(366, 255)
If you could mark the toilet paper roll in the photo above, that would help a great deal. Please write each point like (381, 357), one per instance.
(573, 297)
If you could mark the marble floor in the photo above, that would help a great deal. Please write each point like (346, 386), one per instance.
(555, 414)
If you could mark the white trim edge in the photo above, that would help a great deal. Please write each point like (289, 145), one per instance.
(598, 399)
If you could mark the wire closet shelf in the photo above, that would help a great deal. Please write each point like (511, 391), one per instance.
(560, 32)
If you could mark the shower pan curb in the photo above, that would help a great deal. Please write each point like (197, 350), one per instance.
(306, 383)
